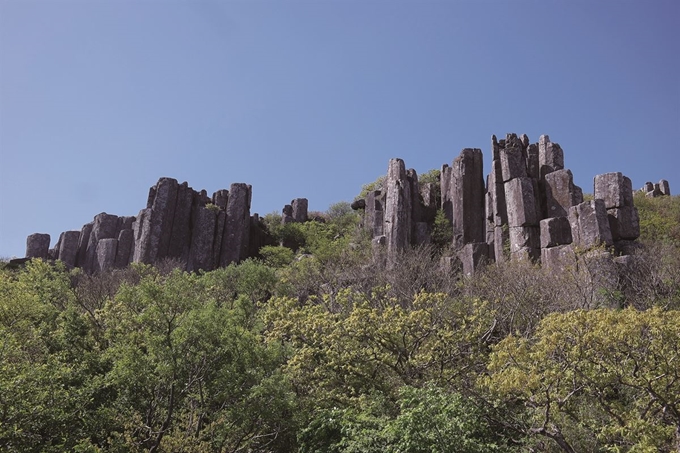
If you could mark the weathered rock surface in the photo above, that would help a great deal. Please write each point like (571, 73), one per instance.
(154, 224)
(105, 257)
(299, 209)
(105, 226)
(398, 210)
(472, 256)
(555, 231)
(521, 202)
(550, 156)
(624, 223)
(560, 258)
(68, 248)
(560, 193)
(525, 242)
(125, 250)
(237, 225)
(656, 190)
(220, 198)
(202, 239)
(468, 192)
(615, 189)
(590, 224)
(38, 246)
(374, 214)
(527, 208)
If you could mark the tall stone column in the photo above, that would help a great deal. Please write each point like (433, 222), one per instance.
(398, 210)
(237, 224)
(467, 192)
(38, 245)
(154, 224)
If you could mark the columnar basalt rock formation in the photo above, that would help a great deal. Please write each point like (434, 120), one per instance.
(656, 190)
(38, 245)
(397, 217)
(398, 210)
(178, 223)
(527, 208)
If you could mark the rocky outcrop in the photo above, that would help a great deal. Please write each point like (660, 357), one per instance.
(398, 210)
(527, 208)
(38, 246)
(528, 205)
(657, 190)
(178, 223)
(237, 225)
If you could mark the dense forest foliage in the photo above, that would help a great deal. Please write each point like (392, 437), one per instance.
(319, 347)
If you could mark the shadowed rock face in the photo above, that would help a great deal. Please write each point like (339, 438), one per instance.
(68, 247)
(38, 245)
(237, 225)
(467, 193)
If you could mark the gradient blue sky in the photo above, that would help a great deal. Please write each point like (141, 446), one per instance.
(100, 98)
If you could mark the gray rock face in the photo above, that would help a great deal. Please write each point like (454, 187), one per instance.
(83, 241)
(664, 187)
(529, 202)
(525, 242)
(445, 183)
(220, 221)
(467, 189)
(374, 214)
(152, 239)
(560, 258)
(501, 243)
(202, 238)
(38, 246)
(125, 250)
(472, 256)
(521, 202)
(533, 161)
(105, 258)
(180, 236)
(68, 248)
(499, 202)
(416, 202)
(237, 225)
(513, 163)
(560, 193)
(105, 226)
(615, 189)
(287, 215)
(624, 223)
(428, 193)
(299, 206)
(221, 198)
(177, 223)
(398, 210)
(590, 224)
(555, 231)
(550, 156)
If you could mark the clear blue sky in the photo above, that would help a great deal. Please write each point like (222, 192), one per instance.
(100, 98)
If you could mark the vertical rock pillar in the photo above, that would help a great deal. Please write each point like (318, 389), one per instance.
(237, 224)
(467, 192)
(38, 245)
(398, 210)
